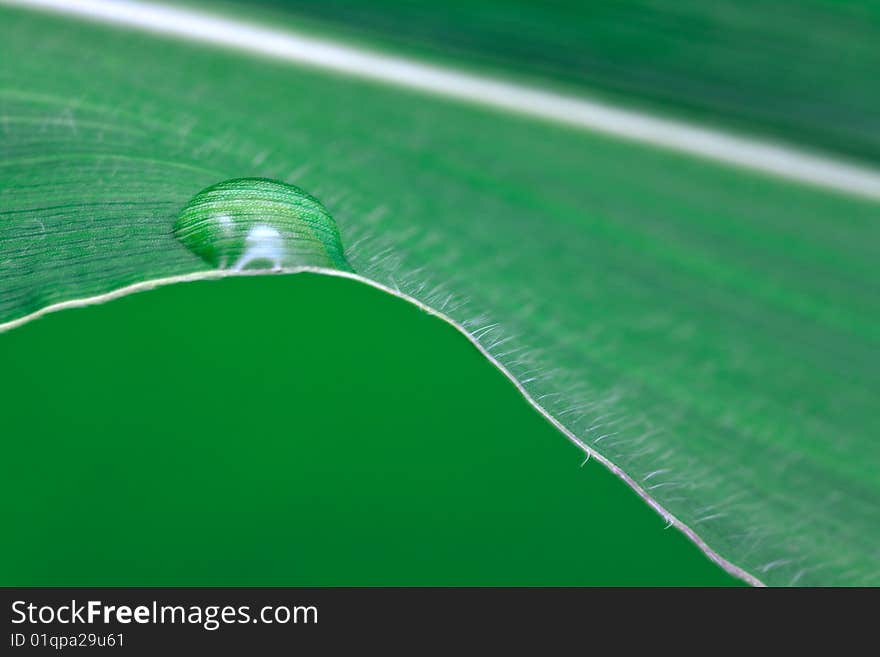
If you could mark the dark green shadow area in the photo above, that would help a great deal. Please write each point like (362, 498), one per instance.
(297, 430)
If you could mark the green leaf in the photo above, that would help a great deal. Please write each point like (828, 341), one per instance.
(706, 332)
(295, 431)
(798, 70)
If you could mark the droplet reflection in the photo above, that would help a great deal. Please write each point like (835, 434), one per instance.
(257, 223)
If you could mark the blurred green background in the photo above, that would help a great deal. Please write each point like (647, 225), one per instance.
(304, 430)
(796, 71)
(297, 430)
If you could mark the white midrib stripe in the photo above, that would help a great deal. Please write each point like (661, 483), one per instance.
(749, 153)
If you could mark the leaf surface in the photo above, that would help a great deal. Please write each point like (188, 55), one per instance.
(709, 333)
(799, 71)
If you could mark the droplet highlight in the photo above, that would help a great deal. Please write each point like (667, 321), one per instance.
(258, 223)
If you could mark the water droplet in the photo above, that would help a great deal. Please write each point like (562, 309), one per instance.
(257, 223)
